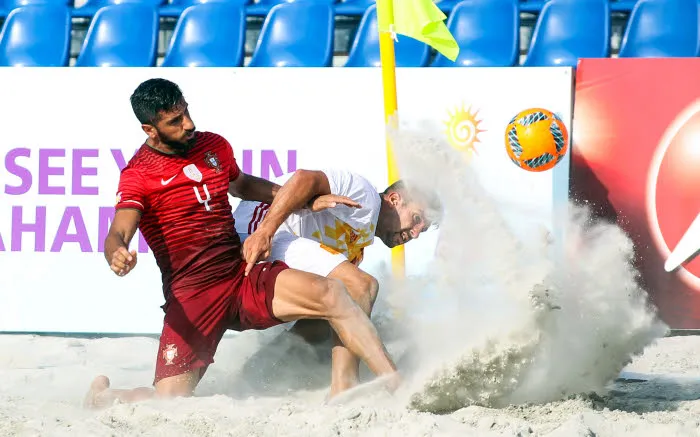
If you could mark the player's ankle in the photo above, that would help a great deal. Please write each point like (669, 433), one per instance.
(343, 384)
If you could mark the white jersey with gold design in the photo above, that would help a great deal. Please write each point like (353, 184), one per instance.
(339, 230)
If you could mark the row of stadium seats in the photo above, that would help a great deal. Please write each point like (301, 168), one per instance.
(173, 8)
(301, 34)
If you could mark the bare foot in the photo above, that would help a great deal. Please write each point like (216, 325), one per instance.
(389, 383)
(99, 394)
(393, 381)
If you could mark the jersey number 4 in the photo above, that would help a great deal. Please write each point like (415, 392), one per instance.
(206, 200)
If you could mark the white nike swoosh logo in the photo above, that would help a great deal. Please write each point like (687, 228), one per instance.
(164, 182)
(686, 247)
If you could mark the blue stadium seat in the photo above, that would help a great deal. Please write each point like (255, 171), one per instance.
(487, 31)
(263, 7)
(6, 6)
(622, 5)
(353, 7)
(122, 35)
(296, 34)
(365, 48)
(661, 28)
(177, 7)
(90, 8)
(208, 35)
(567, 30)
(535, 6)
(532, 6)
(447, 6)
(36, 36)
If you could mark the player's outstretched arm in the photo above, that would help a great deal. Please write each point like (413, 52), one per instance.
(306, 188)
(294, 195)
(249, 187)
(121, 231)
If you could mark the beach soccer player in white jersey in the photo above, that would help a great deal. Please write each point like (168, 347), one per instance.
(331, 242)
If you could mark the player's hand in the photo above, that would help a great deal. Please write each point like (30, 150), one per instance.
(122, 261)
(331, 201)
(256, 248)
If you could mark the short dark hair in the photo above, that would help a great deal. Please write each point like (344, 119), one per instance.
(425, 196)
(153, 96)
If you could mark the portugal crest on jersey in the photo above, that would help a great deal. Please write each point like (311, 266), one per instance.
(212, 161)
(169, 354)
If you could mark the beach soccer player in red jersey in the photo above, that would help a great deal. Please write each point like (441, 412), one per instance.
(175, 190)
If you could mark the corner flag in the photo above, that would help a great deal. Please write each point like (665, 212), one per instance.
(420, 20)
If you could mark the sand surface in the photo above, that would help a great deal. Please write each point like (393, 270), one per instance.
(42, 381)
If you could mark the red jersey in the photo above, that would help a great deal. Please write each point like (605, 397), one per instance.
(186, 215)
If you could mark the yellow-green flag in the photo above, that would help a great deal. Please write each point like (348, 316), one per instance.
(421, 20)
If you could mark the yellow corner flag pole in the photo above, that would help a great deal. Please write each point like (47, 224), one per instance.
(421, 20)
(385, 19)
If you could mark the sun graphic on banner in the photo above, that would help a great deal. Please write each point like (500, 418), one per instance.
(462, 129)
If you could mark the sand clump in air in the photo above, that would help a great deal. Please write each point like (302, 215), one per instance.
(502, 336)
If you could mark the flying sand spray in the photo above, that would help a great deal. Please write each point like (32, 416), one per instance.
(512, 322)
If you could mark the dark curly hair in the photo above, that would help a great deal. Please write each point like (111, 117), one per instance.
(153, 96)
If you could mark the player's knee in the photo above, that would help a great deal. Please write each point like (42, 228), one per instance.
(371, 287)
(333, 296)
(365, 289)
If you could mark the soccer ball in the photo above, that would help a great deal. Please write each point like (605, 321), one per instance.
(536, 139)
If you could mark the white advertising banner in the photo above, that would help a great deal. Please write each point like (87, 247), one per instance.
(69, 131)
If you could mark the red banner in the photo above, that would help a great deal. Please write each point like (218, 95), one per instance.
(636, 158)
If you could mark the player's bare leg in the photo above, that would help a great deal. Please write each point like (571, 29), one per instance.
(100, 395)
(302, 295)
(363, 289)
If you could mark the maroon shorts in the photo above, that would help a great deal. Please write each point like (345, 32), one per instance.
(193, 328)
